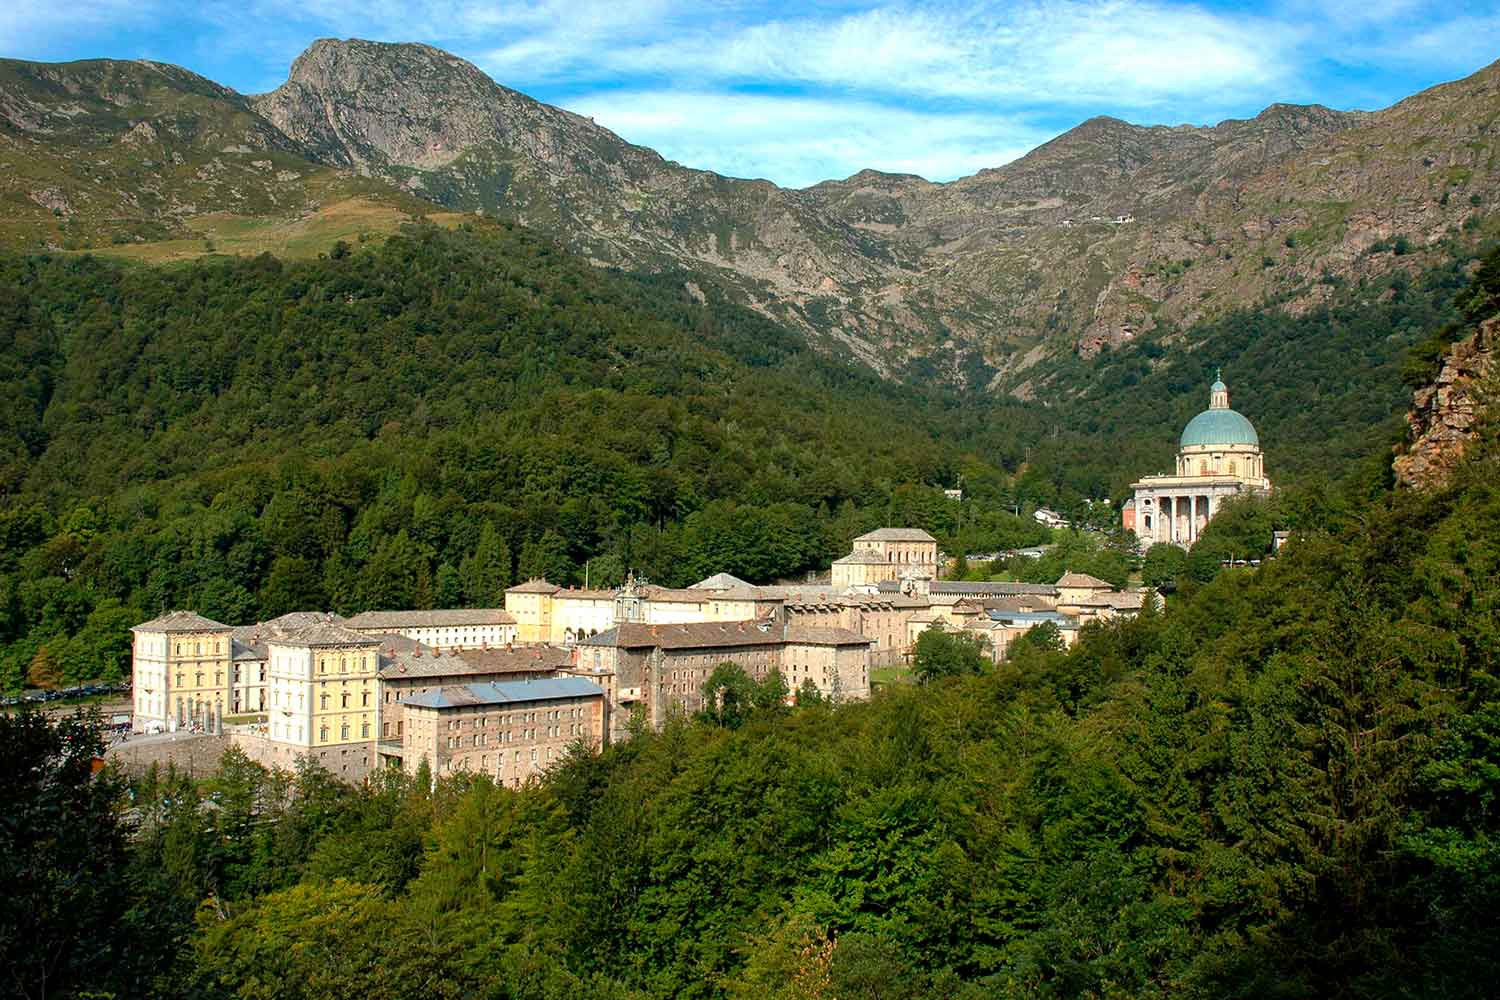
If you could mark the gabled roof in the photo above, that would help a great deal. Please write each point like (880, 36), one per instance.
(896, 535)
(434, 618)
(1029, 618)
(323, 634)
(861, 557)
(533, 586)
(721, 581)
(181, 621)
(809, 635)
(980, 588)
(421, 662)
(694, 635)
(299, 619)
(1084, 580)
(504, 693)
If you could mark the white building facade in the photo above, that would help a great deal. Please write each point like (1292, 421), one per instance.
(1218, 457)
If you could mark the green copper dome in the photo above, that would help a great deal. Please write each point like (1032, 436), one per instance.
(1219, 427)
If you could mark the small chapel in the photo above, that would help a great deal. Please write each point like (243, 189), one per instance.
(1218, 456)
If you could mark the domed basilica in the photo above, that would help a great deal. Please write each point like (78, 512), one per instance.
(1218, 456)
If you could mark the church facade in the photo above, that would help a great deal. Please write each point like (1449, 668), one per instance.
(1218, 457)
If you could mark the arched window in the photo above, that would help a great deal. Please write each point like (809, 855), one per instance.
(1203, 467)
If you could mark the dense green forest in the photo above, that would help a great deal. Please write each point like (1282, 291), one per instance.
(424, 421)
(1285, 784)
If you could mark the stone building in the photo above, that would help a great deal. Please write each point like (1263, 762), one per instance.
(181, 672)
(510, 730)
(250, 655)
(887, 554)
(658, 669)
(1218, 457)
(411, 669)
(545, 612)
(1075, 587)
(836, 660)
(322, 700)
(441, 628)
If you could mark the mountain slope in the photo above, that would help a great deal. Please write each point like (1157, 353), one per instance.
(897, 267)
(109, 152)
(1108, 232)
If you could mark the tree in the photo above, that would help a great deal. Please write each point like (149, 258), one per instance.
(68, 923)
(1165, 564)
(485, 572)
(809, 694)
(44, 671)
(729, 696)
(942, 653)
(546, 558)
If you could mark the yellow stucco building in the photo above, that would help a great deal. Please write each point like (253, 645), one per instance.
(181, 671)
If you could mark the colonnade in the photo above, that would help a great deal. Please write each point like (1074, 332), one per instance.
(1179, 518)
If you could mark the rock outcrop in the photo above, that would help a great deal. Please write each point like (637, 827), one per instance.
(1443, 415)
(1096, 238)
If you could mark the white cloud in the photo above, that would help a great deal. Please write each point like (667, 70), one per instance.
(801, 92)
(800, 140)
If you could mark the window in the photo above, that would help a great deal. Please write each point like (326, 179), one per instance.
(179, 680)
(364, 699)
(344, 700)
(344, 731)
(197, 649)
(322, 734)
(323, 701)
(364, 730)
(198, 680)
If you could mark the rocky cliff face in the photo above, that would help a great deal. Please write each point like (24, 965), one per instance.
(1443, 415)
(1107, 232)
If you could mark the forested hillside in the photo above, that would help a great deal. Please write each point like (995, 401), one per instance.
(423, 421)
(418, 424)
(1283, 785)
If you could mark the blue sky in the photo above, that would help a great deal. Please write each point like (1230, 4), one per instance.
(799, 92)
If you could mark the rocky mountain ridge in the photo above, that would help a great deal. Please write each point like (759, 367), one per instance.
(1107, 232)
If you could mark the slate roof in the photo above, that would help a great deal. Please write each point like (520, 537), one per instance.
(463, 663)
(1015, 602)
(814, 636)
(504, 693)
(1127, 601)
(1084, 580)
(1034, 618)
(721, 581)
(896, 535)
(861, 557)
(695, 635)
(533, 586)
(181, 621)
(435, 618)
(323, 634)
(978, 588)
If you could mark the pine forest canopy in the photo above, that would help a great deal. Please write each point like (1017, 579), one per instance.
(417, 422)
(1282, 785)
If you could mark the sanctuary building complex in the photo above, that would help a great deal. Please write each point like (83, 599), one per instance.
(508, 691)
(1218, 457)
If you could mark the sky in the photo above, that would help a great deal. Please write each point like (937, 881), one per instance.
(802, 92)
